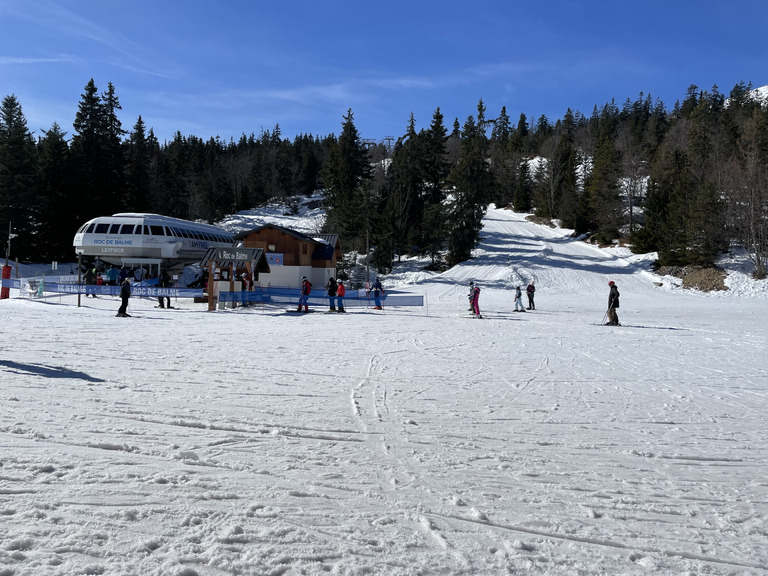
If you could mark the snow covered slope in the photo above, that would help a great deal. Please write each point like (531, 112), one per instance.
(407, 441)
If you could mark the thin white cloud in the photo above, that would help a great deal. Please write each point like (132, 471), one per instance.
(24, 61)
(57, 19)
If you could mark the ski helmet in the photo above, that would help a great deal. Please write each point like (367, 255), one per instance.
(611, 283)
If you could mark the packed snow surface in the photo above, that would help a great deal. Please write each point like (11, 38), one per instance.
(397, 442)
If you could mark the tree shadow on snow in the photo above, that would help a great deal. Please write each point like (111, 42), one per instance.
(45, 371)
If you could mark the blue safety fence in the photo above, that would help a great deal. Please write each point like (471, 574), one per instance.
(11, 283)
(38, 285)
(353, 298)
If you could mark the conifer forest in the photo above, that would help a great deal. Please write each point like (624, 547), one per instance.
(688, 181)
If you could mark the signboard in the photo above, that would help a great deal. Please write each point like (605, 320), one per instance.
(275, 259)
(234, 254)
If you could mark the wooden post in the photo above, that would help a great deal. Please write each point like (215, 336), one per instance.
(79, 272)
(232, 279)
(210, 285)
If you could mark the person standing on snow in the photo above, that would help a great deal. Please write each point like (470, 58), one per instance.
(476, 302)
(332, 287)
(613, 304)
(90, 280)
(340, 292)
(519, 300)
(247, 282)
(112, 275)
(164, 282)
(306, 288)
(378, 290)
(471, 293)
(531, 290)
(125, 294)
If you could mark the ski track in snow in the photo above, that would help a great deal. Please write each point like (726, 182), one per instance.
(242, 442)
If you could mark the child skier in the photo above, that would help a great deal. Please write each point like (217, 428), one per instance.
(519, 300)
(476, 302)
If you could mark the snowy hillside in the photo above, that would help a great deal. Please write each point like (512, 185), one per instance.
(407, 441)
(761, 94)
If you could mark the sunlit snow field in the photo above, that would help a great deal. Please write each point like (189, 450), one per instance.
(407, 441)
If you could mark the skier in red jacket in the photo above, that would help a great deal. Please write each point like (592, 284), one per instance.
(340, 292)
(306, 288)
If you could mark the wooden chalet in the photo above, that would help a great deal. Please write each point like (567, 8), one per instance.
(293, 254)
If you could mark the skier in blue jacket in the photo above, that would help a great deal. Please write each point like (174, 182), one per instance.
(378, 290)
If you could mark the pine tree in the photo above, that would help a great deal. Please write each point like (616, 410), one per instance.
(346, 175)
(747, 190)
(115, 169)
(89, 155)
(436, 169)
(503, 165)
(565, 162)
(173, 196)
(18, 179)
(518, 142)
(602, 192)
(668, 168)
(137, 194)
(405, 206)
(702, 208)
(473, 189)
(523, 188)
(57, 211)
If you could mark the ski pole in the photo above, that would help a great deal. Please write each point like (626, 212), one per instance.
(604, 318)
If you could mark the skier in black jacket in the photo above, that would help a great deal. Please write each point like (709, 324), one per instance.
(613, 304)
(125, 294)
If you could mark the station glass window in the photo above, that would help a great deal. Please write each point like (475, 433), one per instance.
(126, 229)
(101, 228)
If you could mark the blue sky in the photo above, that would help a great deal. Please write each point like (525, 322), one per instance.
(231, 67)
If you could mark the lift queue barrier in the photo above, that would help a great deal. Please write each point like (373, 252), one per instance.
(290, 296)
(39, 286)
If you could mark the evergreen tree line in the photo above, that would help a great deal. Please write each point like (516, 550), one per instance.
(686, 183)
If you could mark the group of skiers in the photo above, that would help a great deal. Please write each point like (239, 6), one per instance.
(530, 291)
(474, 298)
(336, 291)
(163, 281)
